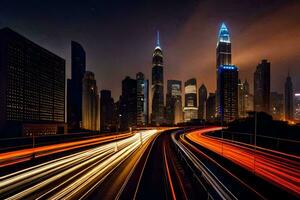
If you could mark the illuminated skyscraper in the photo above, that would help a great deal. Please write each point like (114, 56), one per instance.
(288, 99)
(90, 103)
(190, 94)
(202, 101)
(157, 116)
(174, 102)
(74, 93)
(262, 87)
(223, 47)
(142, 99)
(227, 79)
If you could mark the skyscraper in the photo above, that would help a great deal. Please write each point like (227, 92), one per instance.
(173, 102)
(32, 88)
(262, 87)
(227, 79)
(107, 122)
(90, 103)
(78, 68)
(228, 93)
(211, 107)
(128, 104)
(288, 98)
(202, 101)
(190, 95)
(157, 116)
(223, 47)
(142, 99)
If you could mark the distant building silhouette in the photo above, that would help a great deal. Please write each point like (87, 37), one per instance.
(107, 109)
(157, 116)
(297, 106)
(262, 87)
(174, 102)
(288, 99)
(142, 99)
(32, 88)
(78, 68)
(190, 94)
(276, 105)
(202, 93)
(128, 104)
(211, 107)
(90, 103)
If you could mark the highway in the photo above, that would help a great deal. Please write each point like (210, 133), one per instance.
(71, 176)
(170, 163)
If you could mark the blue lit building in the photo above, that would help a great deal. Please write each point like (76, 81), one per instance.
(227, 79)
(228, 92)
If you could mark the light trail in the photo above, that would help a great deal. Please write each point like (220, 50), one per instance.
(70, 176)
(18, 156)
(280, 169)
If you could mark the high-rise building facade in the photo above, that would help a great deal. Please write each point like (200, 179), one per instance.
(157, 116)
(202, 93)
(223, 47)
(78, 68)
(276, 105)
(107, 122)
(227, 79)
(262, 87)
(227, 93)
(190, 96)
(174, 102)
(128, 104)
(211, 107)
(288, 99)
(32, 88)
(90, 103)
(297, 107)
(142, 99)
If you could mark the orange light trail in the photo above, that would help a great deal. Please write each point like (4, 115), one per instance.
(279, 168)
(14, 157)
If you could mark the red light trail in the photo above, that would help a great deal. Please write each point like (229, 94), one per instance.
(279, 168)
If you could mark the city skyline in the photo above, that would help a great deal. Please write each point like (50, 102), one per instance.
(184, 38)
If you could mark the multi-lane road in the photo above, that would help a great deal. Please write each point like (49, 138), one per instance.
(172, 163)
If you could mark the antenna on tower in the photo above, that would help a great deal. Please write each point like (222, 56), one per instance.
(157, 42)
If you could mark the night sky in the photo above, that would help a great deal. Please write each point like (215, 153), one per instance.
(119, 36)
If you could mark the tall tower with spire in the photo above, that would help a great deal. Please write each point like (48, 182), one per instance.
(157, 88)
(227, 79)
(288, 98)
(223, 47)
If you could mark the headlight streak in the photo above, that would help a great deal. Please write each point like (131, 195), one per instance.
(218, 186)
(11, 158)
(96, 162)
(278, 168)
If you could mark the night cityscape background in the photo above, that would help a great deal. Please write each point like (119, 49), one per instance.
(150, 99)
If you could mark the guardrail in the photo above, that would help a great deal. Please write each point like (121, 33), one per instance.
(280, 144)
(212, 186)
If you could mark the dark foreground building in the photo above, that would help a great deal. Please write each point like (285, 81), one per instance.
(106, 111)
(128, 104)
(32, 88)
